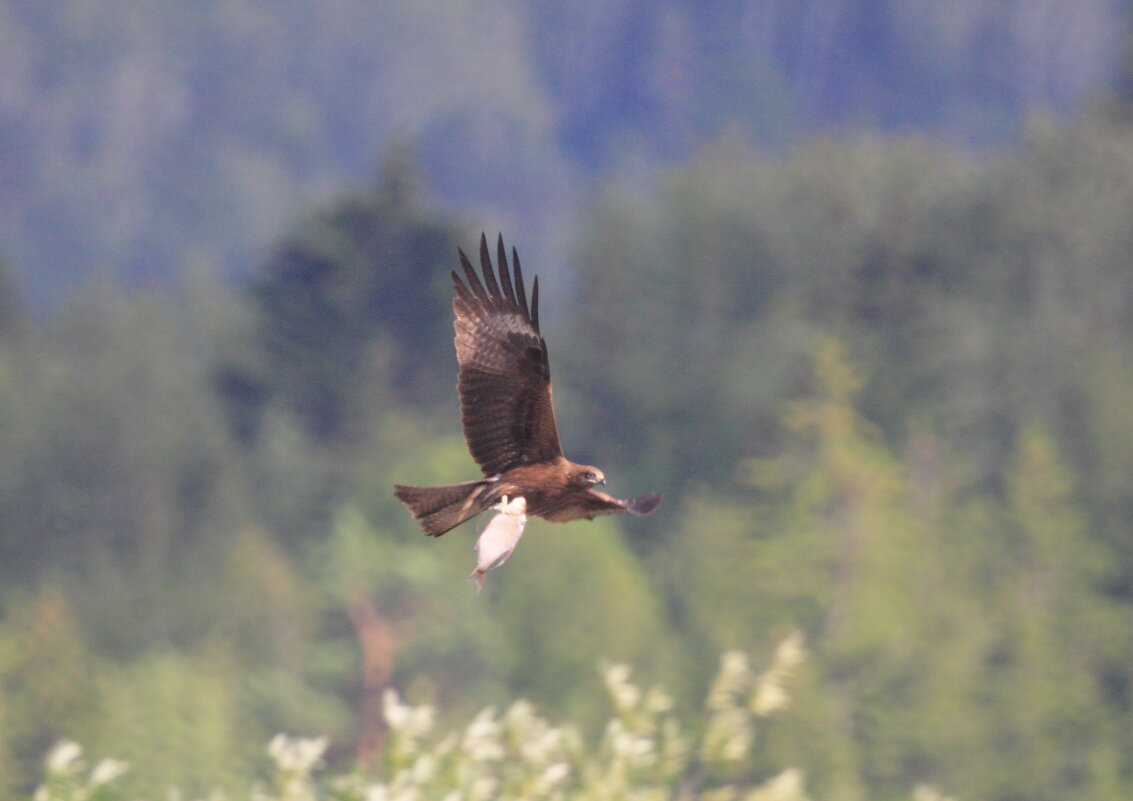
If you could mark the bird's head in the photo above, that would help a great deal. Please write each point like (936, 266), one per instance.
(586, 476)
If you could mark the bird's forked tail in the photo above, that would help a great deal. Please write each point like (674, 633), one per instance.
(441, 509)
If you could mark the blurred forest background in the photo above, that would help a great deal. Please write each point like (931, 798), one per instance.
(851, 282)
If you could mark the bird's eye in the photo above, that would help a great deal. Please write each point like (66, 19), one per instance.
(590, 476)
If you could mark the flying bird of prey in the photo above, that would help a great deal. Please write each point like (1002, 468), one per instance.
(504, 385)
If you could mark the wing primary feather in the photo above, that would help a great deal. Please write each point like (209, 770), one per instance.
(489, 275)
(520, 292)
(535, 303)
(505, 275)
(461, 289)
(473, 282)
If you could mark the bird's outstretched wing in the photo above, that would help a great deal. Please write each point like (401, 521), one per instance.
(505, 377)
(591, 503)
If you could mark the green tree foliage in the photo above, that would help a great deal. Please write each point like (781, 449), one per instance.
(115, 457)
(177, 717)
(884, 386)
(366, 276)
(1104, 449)
(1058, 644)
(949, 629)
(46, 687)
(970, 291)
(723, 276)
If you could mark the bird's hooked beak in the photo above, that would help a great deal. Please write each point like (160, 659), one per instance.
(590, 477)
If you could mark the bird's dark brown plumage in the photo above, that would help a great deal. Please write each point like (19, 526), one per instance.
(505, 376)
(504, 383)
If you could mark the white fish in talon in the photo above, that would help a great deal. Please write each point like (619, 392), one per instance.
(500, 537)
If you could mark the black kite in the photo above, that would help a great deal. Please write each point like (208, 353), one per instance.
(504, 385)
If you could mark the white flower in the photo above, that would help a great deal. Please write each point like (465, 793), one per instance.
(395, 712)
(787, 786)
(420, 721)
(728, 737)
(625, 694)
(65, 757)
(658, 701)
(635, 750)
(769, 696)
(484, 726)
(540, 744)
(484, 788)
(377, 792)
(733, 666)
(792, 651)
(521, 714)
(736, 746)
(297, 754)
(482, 737)
(770, 693)
(926, 792)
(733, 679)
(551, 777)
(413, 721)
(107, 771)
(424, 769)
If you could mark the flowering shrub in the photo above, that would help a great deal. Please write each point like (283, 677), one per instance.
(644, 753)
(68, 779)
